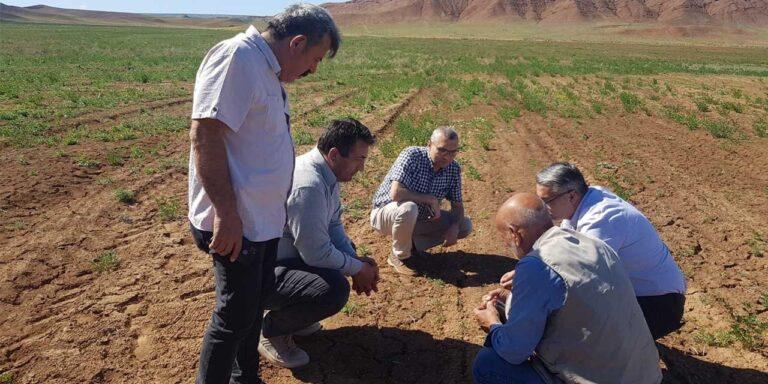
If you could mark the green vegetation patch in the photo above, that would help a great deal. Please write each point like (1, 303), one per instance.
(761, 128)
(608, 173)
(302, 137)
(509, 113)
(757, 244)
(125, 196)
(746, 329)
(410, 131)
(721, 129)
(168, 208)
(630, 101)
(63, 72)
(107, 261)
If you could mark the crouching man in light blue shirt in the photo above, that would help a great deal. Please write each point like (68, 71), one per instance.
(657, 280)
(315, 256)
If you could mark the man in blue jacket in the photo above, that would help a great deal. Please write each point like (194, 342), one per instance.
(571, 315)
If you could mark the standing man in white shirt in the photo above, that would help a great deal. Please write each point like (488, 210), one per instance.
(240, 170)
(657, 280)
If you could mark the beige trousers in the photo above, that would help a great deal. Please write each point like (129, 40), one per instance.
(399, 220)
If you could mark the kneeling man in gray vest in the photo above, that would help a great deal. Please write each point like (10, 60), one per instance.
(315, 255)
(569, 314)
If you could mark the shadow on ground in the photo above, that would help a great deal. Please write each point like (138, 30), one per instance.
(463, 269)
(385, 355)
(685, 368)
(371, 355)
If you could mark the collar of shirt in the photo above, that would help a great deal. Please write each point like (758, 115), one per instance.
(432, 163)
(254, 36)
(325, 170)
(585, 203)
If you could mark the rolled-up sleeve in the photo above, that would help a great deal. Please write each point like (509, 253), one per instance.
(224, 86)
(308, 222)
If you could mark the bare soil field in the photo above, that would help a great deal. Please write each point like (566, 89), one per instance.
(143, 322)
(101, 282)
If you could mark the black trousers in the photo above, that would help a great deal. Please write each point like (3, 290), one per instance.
(303, 295)
(229, 352)
(664, 314)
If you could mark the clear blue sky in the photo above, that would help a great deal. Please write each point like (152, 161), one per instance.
(230, 7)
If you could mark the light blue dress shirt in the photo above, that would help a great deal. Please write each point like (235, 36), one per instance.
(647, 260)
(314, 231)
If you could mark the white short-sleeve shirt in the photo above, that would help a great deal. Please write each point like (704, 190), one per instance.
(237, 84)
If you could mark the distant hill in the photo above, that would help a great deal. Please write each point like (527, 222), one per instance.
(46, 14)
(681, 12)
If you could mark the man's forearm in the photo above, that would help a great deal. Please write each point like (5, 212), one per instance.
(340, 240)
(400, 193)
(314, 237)
(457, 213)
(211, 164)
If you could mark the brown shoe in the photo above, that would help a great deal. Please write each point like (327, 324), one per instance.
(400, 267)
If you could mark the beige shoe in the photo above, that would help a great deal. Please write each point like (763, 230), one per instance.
(400, 267)
(309, 330)
(282, 351)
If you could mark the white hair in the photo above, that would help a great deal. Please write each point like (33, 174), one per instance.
(446, 131)
(562, 177)
(306, 19)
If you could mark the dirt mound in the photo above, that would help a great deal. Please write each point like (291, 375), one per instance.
(553, 11)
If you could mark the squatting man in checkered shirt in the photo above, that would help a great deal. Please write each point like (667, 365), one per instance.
(407, 204)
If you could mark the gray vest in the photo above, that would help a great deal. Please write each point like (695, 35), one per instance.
(600, 334)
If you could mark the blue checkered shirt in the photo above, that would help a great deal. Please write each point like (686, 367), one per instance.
(413, 169)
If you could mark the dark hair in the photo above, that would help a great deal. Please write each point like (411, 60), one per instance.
(562, 177)
(342, 134)
(309, 20)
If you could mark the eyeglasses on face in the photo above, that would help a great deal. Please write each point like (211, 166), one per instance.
(555, 197)
(446, 151)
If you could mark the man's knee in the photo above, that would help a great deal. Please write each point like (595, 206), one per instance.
(485, 366)
(231, 325)
(465, 228)
(407, 212)
(490, 368)
(337, 293)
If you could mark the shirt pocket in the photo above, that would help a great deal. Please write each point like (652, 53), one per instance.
(276, 119)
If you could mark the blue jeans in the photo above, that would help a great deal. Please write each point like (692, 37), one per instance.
(490, 368)
(229, 353)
